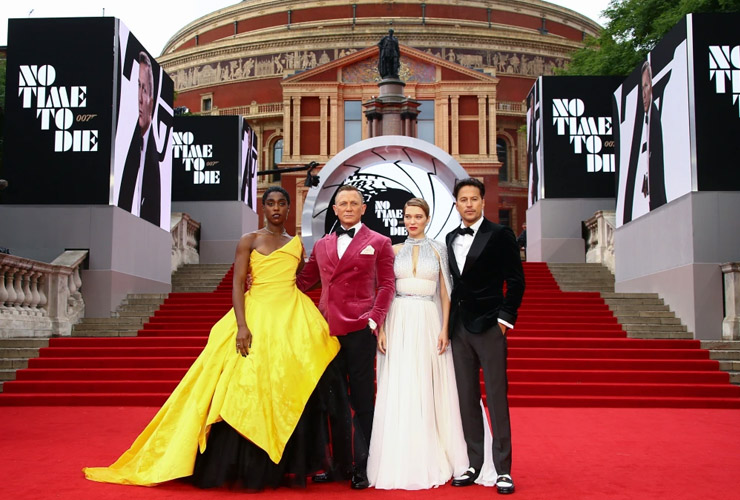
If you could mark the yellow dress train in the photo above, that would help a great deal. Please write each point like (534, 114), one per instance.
(261, 396)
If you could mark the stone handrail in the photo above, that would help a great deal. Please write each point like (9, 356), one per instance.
(39, 299)
(184, 232)
(731, 323)
(600, 239)
(254, 110)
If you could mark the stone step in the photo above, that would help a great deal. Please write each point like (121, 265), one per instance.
(735, 378)
(13, 363)
(723, 354)
(123, 321)
(141, 302)
(639, 308)
(144, 308)
(729, 366)
(106, 333)
(198, 289)
(147, 296)
(18, 352)
(134, 316)
(643, 303)
(630, 295)
(6, 374)
(721, 344)
(642, 313)
(660, 335)
(24, 342)
(629, 321)
(654, 328)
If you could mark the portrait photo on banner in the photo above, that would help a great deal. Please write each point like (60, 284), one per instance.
(142, 161)
(652, 120)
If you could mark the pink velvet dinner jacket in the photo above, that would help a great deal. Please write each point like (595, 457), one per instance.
(348, 285)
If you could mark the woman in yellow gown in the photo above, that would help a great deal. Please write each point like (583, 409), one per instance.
(253, 380)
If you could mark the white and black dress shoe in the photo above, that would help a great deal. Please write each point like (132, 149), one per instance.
(504, 484)
(467, 478)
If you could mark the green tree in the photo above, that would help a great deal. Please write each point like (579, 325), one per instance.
(634, 27)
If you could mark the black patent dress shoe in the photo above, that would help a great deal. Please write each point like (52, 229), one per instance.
(504, 484)
(467, 478)
(359, 480)
(322, 477)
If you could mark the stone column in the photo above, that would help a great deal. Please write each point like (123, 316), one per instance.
(333, 131)
(455, 104)
(482, 149)
(731, 323)
(287, 153)
(492, 126)
(296, 126)
(324, 134)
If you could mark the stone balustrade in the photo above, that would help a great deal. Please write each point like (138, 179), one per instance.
(731, 323)
(185, 235)
(39, 299)
(600, 238)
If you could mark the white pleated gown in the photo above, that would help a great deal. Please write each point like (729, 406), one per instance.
(417, 439)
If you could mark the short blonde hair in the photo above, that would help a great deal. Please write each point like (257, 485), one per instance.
(417, 202)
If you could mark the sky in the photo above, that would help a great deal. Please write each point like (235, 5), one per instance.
(154, 22)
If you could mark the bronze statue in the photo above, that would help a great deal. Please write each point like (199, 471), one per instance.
(390, 55)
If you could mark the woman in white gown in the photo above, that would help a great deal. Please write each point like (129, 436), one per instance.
(417, 439)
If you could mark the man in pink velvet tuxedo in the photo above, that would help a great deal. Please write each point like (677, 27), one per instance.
(355, 267)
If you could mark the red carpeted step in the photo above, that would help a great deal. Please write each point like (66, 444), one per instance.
(601, 343)
(90, 387)
(623, 402)
(95, 352)
(101, 374)
(619, 376)
(77, 399)
(112, 362)
(611, 364)
(623, 389)
(564, 353)
(116, 342)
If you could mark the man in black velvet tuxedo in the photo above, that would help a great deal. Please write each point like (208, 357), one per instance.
(483, 256)
(140, 191)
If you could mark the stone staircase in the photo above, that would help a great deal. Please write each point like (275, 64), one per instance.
(128, 319)
(642, 315)
(15, 353)
(727, 352)
(198, 277)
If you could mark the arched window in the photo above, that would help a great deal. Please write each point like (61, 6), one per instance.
(277, 158)
(277, 153)
(502, 150)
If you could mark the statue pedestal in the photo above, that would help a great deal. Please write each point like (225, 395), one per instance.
(391, 113)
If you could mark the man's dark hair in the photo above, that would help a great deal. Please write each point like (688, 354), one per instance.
(275, 189)
(470, 181)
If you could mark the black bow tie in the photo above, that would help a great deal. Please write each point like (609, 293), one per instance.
(465, 230)
(348, 232)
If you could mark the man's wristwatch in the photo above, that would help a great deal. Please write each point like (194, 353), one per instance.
(372, 324)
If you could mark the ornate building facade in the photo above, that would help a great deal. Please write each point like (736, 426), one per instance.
(300, 71)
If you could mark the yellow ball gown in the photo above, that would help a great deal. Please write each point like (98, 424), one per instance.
(261, 396)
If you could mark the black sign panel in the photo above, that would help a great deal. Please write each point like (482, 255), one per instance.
(206, 158)
(716, 49)
(59, 111)
(577, 136)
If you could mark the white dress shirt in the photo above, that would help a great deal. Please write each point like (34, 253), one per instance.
(461, 246)
(344, 240)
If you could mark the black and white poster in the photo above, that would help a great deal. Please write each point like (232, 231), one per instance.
(249, 166)
(142, 159)
(570, 137)
(206, 158)
(716, 63)
(59, 117)
(652, 111)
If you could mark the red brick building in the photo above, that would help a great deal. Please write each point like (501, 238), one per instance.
(300, 71)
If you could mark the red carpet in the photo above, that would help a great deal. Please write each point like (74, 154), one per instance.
(559, 453)
(567, 350)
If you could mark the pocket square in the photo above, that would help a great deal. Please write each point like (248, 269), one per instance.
(368, 250)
